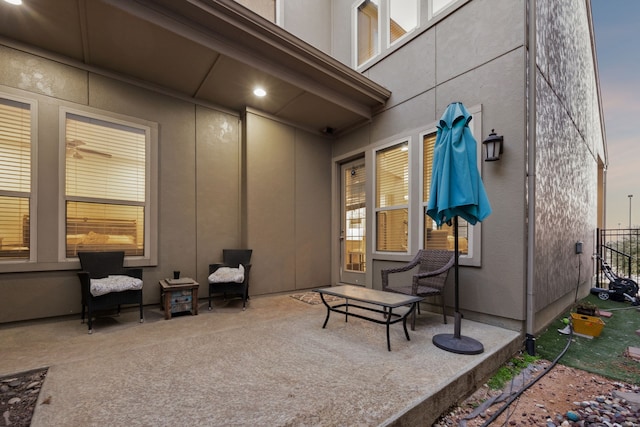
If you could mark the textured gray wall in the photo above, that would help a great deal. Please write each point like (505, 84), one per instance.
(569, 146)
(461, 58)
(288, 206)
(203, 203)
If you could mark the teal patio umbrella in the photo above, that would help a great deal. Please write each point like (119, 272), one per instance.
(456, 191)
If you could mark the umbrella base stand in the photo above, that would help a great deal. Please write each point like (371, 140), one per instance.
(457, 343)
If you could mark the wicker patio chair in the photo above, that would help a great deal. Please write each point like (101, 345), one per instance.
(99, 265)
(429, 279)
(232, 259)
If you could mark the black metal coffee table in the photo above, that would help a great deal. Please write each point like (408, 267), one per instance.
(386, 300)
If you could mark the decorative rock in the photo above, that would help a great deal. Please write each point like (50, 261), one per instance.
(572, 416)
(14, 400)
(33, 384)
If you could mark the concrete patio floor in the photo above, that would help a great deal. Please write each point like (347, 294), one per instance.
(271, 365)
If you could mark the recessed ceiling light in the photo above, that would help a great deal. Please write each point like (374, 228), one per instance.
(16, 2)
(259, 92)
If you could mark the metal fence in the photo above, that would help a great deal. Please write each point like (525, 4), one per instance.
(620, 248)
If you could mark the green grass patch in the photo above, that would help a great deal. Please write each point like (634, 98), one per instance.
(511, 369)
(603, 355)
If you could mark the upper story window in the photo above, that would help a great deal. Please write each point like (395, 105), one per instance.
(367, 30)
(106, 188)
(400, 17)
(403, 17)
(392, 198)
(15, 179)
(438, 6)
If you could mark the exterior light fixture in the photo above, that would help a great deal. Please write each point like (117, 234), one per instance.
(259, 92)
(493, 146)
(16, 2)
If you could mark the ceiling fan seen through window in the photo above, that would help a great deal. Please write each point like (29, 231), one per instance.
(76, 150)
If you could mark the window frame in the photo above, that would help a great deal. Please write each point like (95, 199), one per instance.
(446, 8)
(376, 209)
(150, 204)
(385, 46)
(355, 31)
(33, 191)
(400, 39)
(474, 255)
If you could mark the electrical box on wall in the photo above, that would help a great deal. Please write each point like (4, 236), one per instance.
(578, 247)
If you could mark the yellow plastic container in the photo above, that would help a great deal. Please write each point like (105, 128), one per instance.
(587, 325)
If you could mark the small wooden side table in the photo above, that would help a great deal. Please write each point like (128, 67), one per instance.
(178, 298)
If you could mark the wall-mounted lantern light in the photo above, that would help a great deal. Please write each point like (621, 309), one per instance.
(493, 147)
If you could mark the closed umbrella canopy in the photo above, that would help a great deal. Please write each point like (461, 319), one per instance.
(456, 191)
(456, 186)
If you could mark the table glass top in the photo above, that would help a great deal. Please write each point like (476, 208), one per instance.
(385, 299)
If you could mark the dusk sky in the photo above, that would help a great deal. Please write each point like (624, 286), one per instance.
(617, 31)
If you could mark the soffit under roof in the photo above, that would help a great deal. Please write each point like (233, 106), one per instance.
(213, 51)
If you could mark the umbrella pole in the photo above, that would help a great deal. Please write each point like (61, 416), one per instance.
(456, 343)
(458, 319)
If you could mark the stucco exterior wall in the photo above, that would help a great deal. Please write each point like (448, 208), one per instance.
(204, 202)
(288, 201)
(460, 58)
(569, 146)
(308, 20)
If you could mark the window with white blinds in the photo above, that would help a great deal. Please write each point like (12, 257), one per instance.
(438, 237)
(355, 217)
(15, 179)
(105, 185)
(392, 198)
(367, 30)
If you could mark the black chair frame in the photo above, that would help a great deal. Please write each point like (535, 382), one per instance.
(232, 258)
(97, 265)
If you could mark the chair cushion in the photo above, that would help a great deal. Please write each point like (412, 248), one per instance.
(227, 275)
(114, 283)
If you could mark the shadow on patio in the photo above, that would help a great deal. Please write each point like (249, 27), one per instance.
(272, 364)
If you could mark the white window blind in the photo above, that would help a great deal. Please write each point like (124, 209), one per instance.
(438, 237)
(367, 30)
(105, 185)
(355, 217)
(392, 198)
(15, 179)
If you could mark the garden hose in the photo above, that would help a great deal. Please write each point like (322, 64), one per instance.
(524, 388)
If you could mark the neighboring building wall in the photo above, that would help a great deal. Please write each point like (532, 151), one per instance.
(460, 58)
(570, 145)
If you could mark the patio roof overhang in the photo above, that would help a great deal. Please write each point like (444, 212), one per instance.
(213, 52)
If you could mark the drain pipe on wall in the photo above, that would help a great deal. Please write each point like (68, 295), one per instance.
(530, 344)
